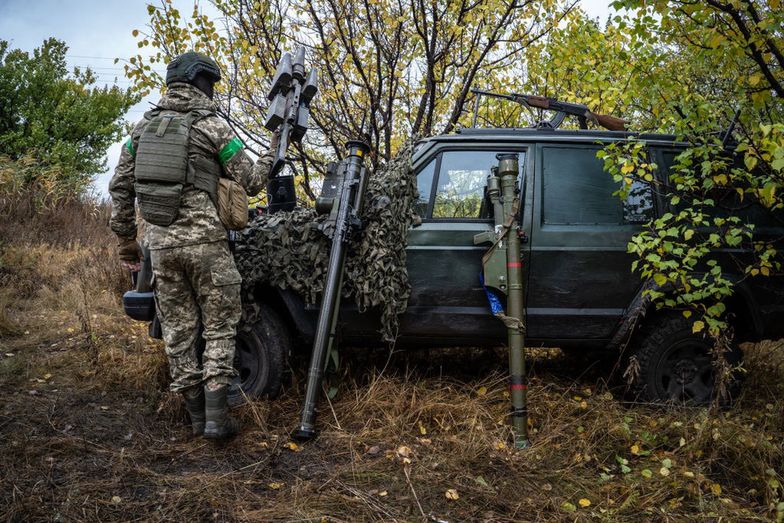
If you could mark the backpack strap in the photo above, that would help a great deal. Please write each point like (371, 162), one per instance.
(203, 173)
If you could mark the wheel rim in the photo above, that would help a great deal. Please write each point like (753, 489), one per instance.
(685, 373)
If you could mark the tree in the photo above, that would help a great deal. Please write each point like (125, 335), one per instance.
(56, 118)
(712, 59)
(390, 68)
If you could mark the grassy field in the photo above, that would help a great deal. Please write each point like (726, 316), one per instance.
(88, 431)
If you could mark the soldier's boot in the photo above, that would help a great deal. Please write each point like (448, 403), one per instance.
(219, 424)
(194, 404)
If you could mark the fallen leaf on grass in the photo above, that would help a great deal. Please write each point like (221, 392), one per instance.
(646, 473)
(403, 451)
(584, 502)
(664, 471)
(293, 446)
(481, 391)
(452, 494)
(716, 489)
(383, 493)
(568, 507)
(275, 485)
(116, 499)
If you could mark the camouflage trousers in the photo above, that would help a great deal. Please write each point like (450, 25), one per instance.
(198, 285)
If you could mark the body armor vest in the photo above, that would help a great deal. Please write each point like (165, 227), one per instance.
(164, 170)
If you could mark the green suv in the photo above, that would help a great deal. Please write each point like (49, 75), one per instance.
(580, 292)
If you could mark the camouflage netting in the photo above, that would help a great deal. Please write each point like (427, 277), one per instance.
(285, 249)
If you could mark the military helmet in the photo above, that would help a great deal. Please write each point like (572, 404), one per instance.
(186, 66)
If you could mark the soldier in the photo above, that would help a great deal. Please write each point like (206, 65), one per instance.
(171, 164)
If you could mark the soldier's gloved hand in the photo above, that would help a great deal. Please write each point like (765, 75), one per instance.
(130, 253)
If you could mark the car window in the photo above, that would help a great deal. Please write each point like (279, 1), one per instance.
(728, 201)
(461, 185)
(638, 205)
(578, 191)
(424, 187)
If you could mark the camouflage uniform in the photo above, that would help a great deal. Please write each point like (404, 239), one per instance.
(195, 277)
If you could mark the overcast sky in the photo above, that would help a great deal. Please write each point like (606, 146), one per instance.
(98, 31)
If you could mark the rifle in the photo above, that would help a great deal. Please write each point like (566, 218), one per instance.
(288, 113)
(562, 109)
(341, 199)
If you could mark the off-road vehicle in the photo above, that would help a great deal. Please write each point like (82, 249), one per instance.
(580, 292)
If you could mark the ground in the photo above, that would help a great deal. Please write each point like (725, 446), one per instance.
(89, 432)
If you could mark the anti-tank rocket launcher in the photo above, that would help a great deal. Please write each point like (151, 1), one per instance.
(289, 111)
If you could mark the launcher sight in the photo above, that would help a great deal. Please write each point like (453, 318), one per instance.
(290, 96)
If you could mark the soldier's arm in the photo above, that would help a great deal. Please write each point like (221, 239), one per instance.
(236, 164)
(121, 188)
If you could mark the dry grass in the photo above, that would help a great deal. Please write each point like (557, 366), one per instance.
(89, 433)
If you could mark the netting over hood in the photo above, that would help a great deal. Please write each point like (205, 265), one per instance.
(285, 249)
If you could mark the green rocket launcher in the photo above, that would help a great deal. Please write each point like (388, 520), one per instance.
(503, 274)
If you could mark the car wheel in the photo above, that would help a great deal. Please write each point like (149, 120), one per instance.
(675, 365)
(260, 356)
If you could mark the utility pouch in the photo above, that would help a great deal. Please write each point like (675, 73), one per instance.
(159, 203)
(232, 204)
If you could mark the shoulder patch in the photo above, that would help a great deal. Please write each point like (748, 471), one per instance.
(129, 146)
(234, 146)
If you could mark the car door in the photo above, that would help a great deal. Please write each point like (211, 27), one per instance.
(448, 303)
(580, 278)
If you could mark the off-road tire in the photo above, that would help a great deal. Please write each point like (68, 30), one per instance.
(261, 355)
(675, 365)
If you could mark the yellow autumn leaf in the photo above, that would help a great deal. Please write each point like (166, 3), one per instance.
(293, 446)
(452, 494)
(403, 451)
(698, 326)
(635, 449)
(275, 485)
(422, 429)
(584, 502)
(481, 391)
(716, 489)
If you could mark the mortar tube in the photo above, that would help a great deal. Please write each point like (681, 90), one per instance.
(508, 170)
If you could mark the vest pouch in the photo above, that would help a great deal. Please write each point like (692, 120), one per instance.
(159, 203)
(232, 204)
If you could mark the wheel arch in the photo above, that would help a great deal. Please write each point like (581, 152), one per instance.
(289, 306)
(747, 320)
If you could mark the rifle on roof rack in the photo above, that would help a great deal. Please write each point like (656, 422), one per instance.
(562, 110)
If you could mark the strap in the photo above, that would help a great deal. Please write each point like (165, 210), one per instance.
(165, 121)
